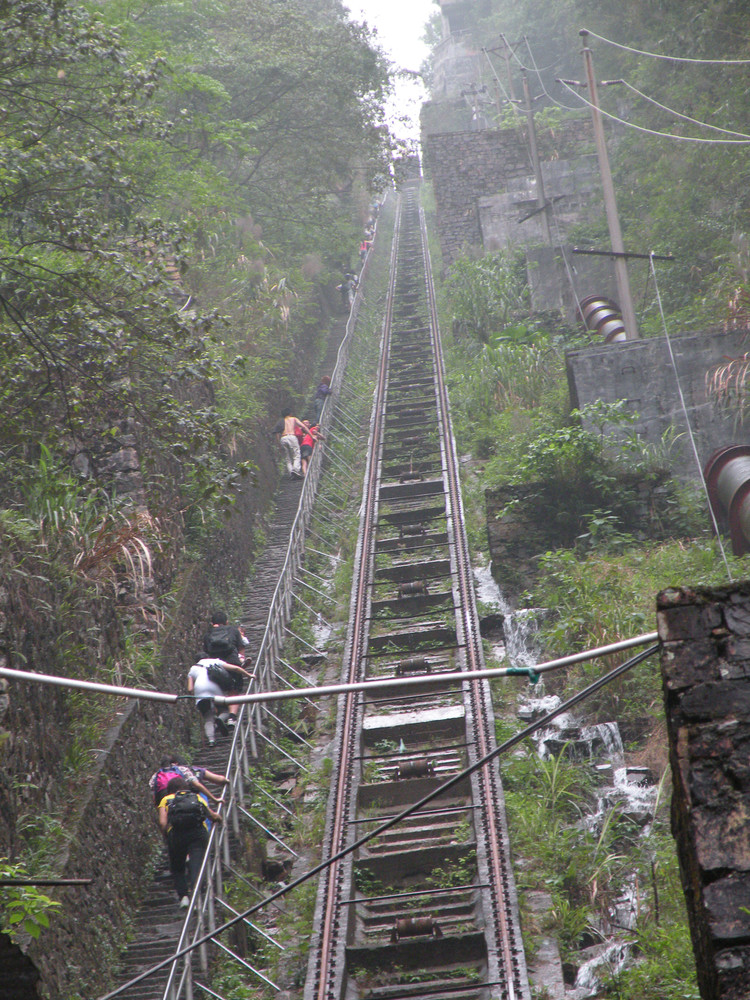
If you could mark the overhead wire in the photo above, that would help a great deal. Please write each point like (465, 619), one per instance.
(651, 255)
(388, 824)
(558, 242)
(547, 94)
(660, 55)
(656, 132)
(679, 114)
(687, 418)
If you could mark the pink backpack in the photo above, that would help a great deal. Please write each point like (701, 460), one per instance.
(160, 781)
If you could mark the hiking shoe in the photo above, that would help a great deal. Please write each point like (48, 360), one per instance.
(184, 902)
(212, 743)
(230, 721)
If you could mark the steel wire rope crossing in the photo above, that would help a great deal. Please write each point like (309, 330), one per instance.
(325, 964)
(512, 968)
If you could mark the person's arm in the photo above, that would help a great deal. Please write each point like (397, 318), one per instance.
(163, 819)
(216, 817)
(233, 666)
(215, 779)
(198, 787)
(190, 684)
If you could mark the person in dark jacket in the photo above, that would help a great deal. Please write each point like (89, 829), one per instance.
(321, 394)
(186, 841)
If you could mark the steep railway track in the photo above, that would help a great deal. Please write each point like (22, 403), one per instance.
(427, 910)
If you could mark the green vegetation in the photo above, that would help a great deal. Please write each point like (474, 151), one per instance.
(23, 909)
(586, 870)
(583, 473)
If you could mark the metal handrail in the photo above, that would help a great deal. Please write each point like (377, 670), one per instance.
(249, 718)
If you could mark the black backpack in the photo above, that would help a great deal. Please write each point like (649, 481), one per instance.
(185, 811)
(220, 675)
(221, 642)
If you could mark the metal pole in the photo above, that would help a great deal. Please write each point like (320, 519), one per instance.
(540, 196)
(437, 679)
(610, 204)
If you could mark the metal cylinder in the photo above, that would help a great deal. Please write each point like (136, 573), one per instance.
(415, 926)
(412, 529)
(419, 768)
(727, 475)
(413, 665)
(417, 588)
(603, 316)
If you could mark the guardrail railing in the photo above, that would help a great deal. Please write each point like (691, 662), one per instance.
(201, 916)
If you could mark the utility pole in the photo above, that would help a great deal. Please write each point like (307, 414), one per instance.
(541, 200)
(610, 205)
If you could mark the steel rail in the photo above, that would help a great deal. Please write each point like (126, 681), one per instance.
(501, 913)
(507, 929)
(356, 641)
(508, 744)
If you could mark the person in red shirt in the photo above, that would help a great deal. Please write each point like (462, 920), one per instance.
(308, 443)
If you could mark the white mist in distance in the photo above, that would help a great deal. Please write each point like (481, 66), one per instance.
(399, 26)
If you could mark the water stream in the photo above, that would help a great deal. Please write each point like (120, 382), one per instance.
(629, 791)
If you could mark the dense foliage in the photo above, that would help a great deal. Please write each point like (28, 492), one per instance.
(180, 186)
(174, 139)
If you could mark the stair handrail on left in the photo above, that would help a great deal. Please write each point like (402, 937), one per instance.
(201, 913)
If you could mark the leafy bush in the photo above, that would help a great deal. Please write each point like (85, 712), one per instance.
(487, 297)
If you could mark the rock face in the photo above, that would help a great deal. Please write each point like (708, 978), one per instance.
(705, 666)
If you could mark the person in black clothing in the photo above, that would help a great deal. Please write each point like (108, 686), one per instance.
(186, 840)
(226, 642)
(223, 641)
(321, 394)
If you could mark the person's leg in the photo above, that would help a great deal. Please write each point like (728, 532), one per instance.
(206, 708)
(196, 850)
(295, 455)
(286, 446)
(177, 849)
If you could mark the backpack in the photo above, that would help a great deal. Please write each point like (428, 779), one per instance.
(160, 781)
(221, 643)
(185, 811)
(220, 675)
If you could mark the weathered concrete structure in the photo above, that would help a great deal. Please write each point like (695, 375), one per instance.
(641, 373)
(483, 180)
(705, 664)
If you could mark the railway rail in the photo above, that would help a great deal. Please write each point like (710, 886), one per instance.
(428, 909)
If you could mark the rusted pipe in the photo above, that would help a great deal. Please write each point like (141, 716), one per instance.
(415, 927)
(727, 475)
(603, 316)
(413, 665)
(419, 768)
(415, 588)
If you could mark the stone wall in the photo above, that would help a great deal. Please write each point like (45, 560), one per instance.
(468, 169)
(464, 167)
(705, 664)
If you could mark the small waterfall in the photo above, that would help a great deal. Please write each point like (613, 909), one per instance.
(611, 960)
(519, 627)
(629, 790)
